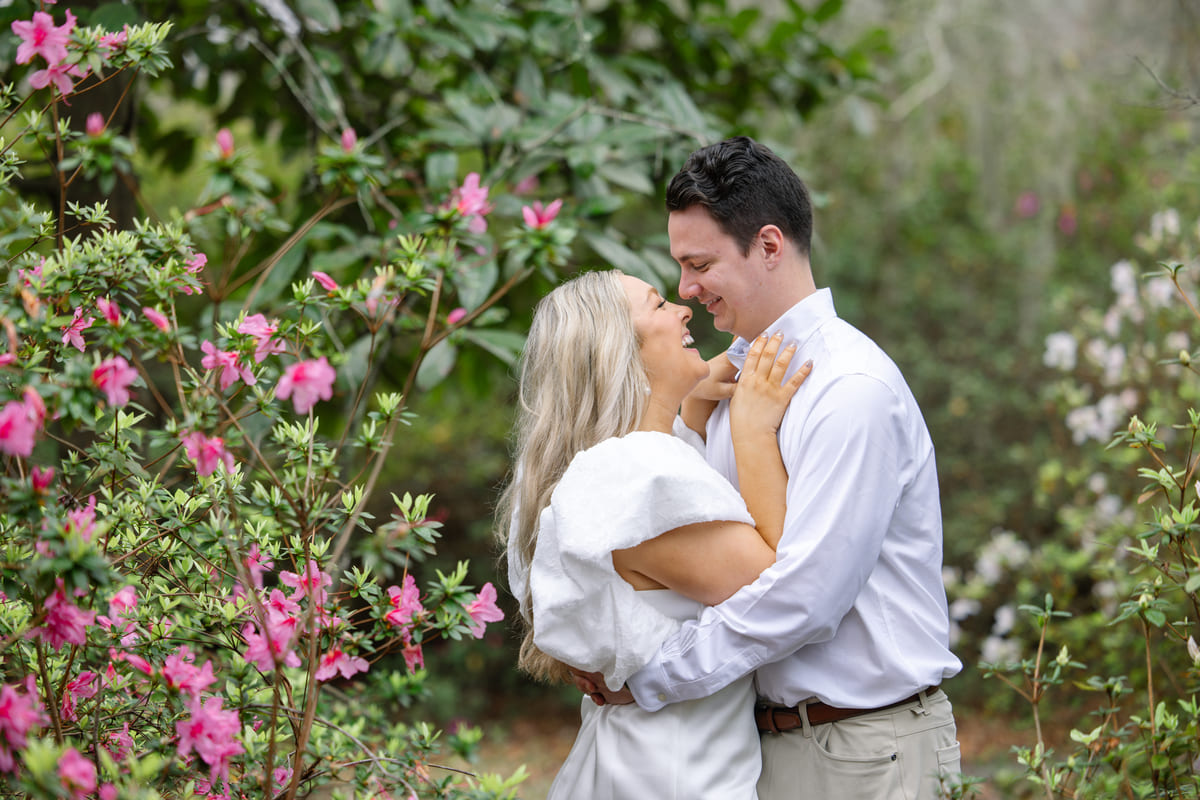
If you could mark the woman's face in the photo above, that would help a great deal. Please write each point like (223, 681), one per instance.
(666, 347)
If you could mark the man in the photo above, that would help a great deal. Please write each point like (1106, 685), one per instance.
(848, 631)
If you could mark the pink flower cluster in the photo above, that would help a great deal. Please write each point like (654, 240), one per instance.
(180, 672)
(406, 610)
(207, 453)
(306, 382)
(20, 421)
(41, 37)
(538, 217)
(483, 609)
(113, 376)
(471, 201)
(263, 333)
(65, 623)
(210, 732)
(72, 332)
(20, 713)
(120, 615)
(228, 363)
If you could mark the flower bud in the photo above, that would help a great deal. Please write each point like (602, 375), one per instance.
(1185, 357)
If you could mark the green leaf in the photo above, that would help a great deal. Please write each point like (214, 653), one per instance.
(504, 345)
(436, 365)
(619, 256)
(441, 170)
(323, 13)
(475, 283)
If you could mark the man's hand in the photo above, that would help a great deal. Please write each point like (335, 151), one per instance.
(592, 684)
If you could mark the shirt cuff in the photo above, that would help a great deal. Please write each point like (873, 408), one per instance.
(648, 686)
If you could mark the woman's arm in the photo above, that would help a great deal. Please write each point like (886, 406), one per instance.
(757, 409)
(700, 402)
(709, 561)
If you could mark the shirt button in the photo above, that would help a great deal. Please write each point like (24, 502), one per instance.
(662, 698)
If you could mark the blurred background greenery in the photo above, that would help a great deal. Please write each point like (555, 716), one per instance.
(979, 168)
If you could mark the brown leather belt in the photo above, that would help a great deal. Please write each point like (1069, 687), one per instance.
(771, 718)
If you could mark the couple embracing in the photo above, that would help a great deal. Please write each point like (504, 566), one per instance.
(738, 560)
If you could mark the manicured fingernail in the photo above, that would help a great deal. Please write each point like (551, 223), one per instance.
(808, 364)
(777, 335)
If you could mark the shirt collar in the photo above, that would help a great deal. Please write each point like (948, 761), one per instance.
(797, 323)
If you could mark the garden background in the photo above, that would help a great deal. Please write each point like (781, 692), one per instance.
(254, 406)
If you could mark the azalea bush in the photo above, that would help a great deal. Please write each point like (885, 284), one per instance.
(195, 599)
(1101, 640)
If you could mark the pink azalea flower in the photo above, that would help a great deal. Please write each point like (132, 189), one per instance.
(17, 429)
(483, 609)
(311, 585)
(470, 200)
(34, 406)
(282, 775)
(336, 661)
(122, 602)
(40, 36)
(256, 325)
(80, 688)
(266, 651)
(1027, 205)
(114, 41)
(322, 278)
(282, 609)
(83, 520)
(207, 453)
(110, 310)
(108, 791)
(73, 333)
(257, 563)
(95, 127)
(41, 478)
(77, 774)
(59, 75)
(113, 377)
(306, 382)
(157, 318)
(227, 362)
(20, 713)
(132, 659)
(538, 217)
(65, 622)
(406, 603)
(349, 139)
(180, 672)
(414, 659)
(7, 358)
(210, 732)
(225, 142)
(526, 185)
(196, 263)
(119, 744)
(456, 316)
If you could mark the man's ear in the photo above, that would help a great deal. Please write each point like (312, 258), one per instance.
(770, 243)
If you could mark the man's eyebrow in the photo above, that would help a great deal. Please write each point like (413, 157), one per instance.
(691, 258)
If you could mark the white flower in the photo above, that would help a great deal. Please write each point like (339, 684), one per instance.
(1006, 617)
(1060, 351)
(1160, 291)
(1124, 280)
(996, 650)
(1164, 224)
(1004, 549)
(963, 607)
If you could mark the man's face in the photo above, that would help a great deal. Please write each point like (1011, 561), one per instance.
(713, 271)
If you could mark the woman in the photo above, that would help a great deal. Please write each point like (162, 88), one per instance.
(617, 529)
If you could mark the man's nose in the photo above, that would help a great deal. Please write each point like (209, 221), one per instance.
(687, 287)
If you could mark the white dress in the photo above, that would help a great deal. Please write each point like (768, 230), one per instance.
(615, 495)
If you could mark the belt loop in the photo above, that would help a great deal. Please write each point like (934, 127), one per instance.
(802, 710)
(921, 708)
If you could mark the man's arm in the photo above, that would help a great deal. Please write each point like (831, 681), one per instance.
(843, 485)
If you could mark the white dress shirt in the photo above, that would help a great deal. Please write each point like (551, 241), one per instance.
(853, 612)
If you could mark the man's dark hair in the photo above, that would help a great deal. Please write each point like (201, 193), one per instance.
(744, 186)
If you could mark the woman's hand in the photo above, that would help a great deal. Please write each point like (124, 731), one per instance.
(762, 394)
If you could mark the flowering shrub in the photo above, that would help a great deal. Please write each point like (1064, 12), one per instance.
(185, 467)
(1116, 605)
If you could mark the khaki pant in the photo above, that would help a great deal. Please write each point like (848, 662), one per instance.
(897, 754)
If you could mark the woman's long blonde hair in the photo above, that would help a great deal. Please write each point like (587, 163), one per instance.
(582, 381)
